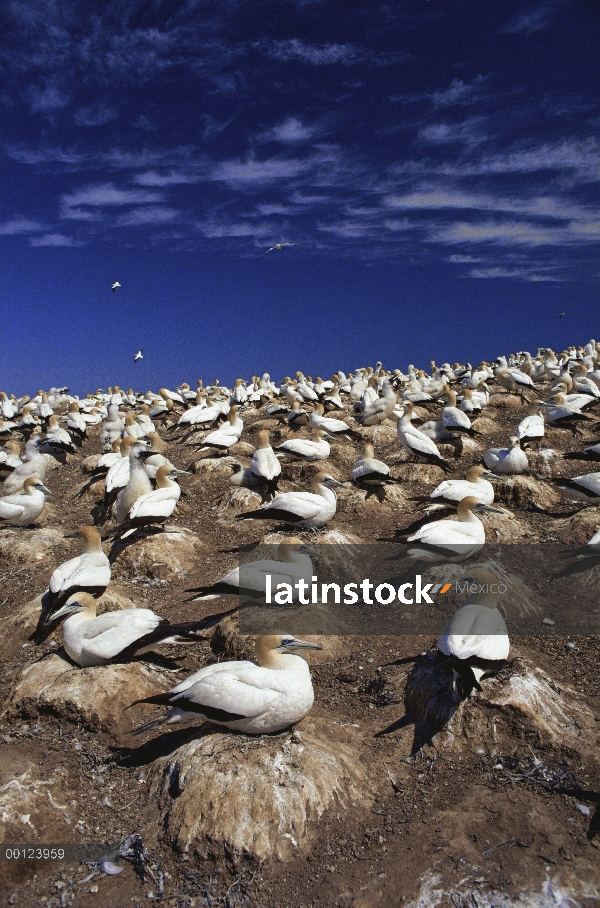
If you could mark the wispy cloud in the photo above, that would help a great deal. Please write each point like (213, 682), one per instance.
(217, 229)
(252, 173)
(512, 233)
(46, 98)
(172, 178)
(53, 239)
(532, 21)
(326, 54)
(151, 214)
(468, 131)
(458, 93)
(530, 275)
(17, 226)
(95, 115)
(290, 132)
(108, 194)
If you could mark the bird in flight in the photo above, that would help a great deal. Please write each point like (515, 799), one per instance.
(279, 246)
(138, 355)
(561, 314)
(114, 286)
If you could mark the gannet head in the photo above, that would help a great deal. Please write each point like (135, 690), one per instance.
(323, 479)
(79, 602)
(90, 536)
(32, 482)
(470, 504)
(368, 451)
(487, 592)
(263, 439)
(476, 472)
(269, 646)
(287, 548)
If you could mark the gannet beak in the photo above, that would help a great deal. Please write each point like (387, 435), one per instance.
(330, 481)
(71, 536)
(489, 475)
(40, 485)
(487, 507)
(300, 644)
(180, 472)
(68, 609)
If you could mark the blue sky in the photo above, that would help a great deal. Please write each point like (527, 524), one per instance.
(435, 162)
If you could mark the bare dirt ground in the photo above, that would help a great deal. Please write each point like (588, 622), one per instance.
(508, 818)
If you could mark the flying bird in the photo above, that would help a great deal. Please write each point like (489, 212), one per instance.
(114, 286)
(561, 314)
(279, 246)
(138, 355)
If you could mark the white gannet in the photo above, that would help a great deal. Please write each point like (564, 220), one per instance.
(376, 411)
(315, 448)
(371, 474)
(466, 530)
(279, 246)
(226, 435)
(58, 438)
(88, 572)
(138, 482)
(36, 465)
(309, 509)
(296, 417)
(138, 355)
(289, 566)
(156, 506)
(561, 414)
(9, 458)
(76, 424)
(592, 453)
(416, 443)
(451, 491)
(253, 698)
(21, 509)
(585, 488)
(476, 639)
(531, 428)
(114, 286)
(454, 419)
(90, 640)
(507, 460)
(264, 465)
(332, 426)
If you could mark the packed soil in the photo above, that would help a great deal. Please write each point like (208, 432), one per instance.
(474, 825)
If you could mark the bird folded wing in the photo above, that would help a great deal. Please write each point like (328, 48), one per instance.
(159, 503)
(304, 508)
(9, 511)
(229, 692)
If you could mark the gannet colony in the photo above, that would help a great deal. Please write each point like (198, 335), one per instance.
(218, 768)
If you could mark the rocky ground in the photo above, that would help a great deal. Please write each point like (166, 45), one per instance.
(500, 807)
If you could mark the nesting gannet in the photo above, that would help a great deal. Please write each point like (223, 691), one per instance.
(9, 458)
(416, 443)
(476, 639)
(507, 460)
(138, 355)
(289, 566)
(332, 426)
(371, 474)
(114, 286)
(76, 424)
(296, 417)
(226, 435)
(58, 438)
(315, 448)
(36, 465)
(255, 699)
(561, 414)
(21, 509)
(241, 477)
(585, 488)
(138, 482)
(592, 453)
(451, 491)
(264, 465)
(454, 419)
(309, 509)
(531, 428)
(153, 508)
(466, 530)
(118, 636)
(88, 572)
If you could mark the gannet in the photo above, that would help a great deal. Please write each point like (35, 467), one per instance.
(241, 477)
(416, 443)
(226, 435)
(138, 483)
(9, 458)
(88, 572)
(289, 566)
(371, 474)
(36, 465)
(592, 453)
(561, 414)
(476, 639)
(309, 509)
(332, 426)
(265, 466)
(138, 355)
(315, 448)
(114, 286)
(279, 246)
(513, 380)
(76, 424)
(466, 530)
(21, 509)
(507, 460)
(532, 427)
(297, 418)
(153, 508)
(454, 419)
(254, 699)
(118, 636)
(585, 488)
(451, 491)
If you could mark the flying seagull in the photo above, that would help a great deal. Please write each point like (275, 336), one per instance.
(114, 286)
(138, 355)
(279, 246)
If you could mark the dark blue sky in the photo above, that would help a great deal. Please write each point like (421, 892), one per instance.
(434, 161)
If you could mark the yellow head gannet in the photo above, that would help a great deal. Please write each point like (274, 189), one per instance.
(467, 529)
(476, 638)
(21, 509)
(531, 428)
(265, 467)
(36, 465)
(114, 286)
(507, 460)
(333, 426)
(416, 442)
(88, 572)
(226, 435)
(119, 636)
(154, 507)
(289, 566)
(371, 474)
(451, 491)
(138, 355)
(138, 482)
(308, 509)
(454, 419)
(315, 448)
(9, 458)
(254, 699)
